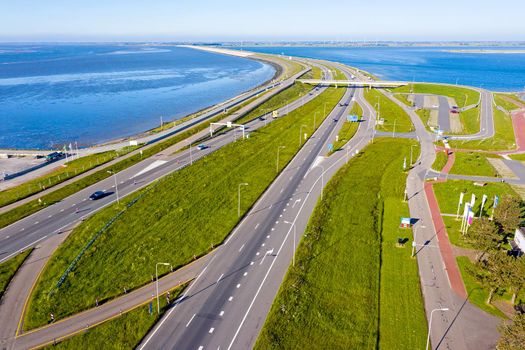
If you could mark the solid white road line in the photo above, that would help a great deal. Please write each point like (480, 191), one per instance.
(220, 278)
(191, 319)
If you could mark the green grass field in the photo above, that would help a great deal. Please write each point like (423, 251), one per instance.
(520, 156)
(503, 136)
(440, 161)
(123, 332)
(59, 175)
(352, 287)
(8, 269)
(391, 112)
(447, 194)
(508, 105)
(403, 98)
(471, 163)
(186, 214)
(462, 96)
(349, 129)
(314, 73)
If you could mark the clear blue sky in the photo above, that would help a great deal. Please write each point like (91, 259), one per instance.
(207, 20)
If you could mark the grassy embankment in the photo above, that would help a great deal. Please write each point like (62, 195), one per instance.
(8, 269)
(348, 129)
(314, 73)
(390, 112)
(462, 96)
(403, 98)
(59, 194)
(352, 287)
(124, 332)
(59, 175)
(471, 163)
(184, 216)
(509, 106)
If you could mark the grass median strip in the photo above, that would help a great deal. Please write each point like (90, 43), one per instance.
(123, 332)
(8, 269)
(187, 214)
(395, 118)
(352, 287)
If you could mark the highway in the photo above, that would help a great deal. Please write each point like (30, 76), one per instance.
(225, 307)
(51, 224)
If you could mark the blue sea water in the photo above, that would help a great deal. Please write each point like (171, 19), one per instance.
(51, 95)
(499, 72)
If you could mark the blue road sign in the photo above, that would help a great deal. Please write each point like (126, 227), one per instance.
(330, 147)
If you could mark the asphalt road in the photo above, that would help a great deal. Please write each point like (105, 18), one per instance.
(486, 118)
(227, 304)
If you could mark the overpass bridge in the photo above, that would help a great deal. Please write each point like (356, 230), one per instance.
(356, 83)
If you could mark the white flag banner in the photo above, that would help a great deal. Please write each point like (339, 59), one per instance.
(461, 195)
(472, 200)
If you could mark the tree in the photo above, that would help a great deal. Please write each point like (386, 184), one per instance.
(496, 271)
(507, 214)
(517, 276)
(512, 335)
(484, 236)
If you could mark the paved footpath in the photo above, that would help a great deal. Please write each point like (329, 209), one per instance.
(451, 267)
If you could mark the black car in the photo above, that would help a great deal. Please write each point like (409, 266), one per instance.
(97, 195)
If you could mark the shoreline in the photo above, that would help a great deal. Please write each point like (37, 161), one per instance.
(148, 132)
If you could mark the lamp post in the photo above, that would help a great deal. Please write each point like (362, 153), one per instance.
(239, 198)
(430, 324)
(293, 248)
(322, 180)
(277, 163)
(300, 134)
(116, 185)
(324, 113)
(414, 242)
(191, 156)
(157, 281)
(315, 115)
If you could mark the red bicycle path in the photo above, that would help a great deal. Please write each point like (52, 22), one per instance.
(451, 266)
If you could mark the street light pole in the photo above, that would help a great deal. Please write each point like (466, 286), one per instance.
(322, 180)
(300, 134)
(116, 185)
(191, 156)
(239, 198)
(430, 324)
(315, 115)
(293, 248)
(277, 163)
(157, 282)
